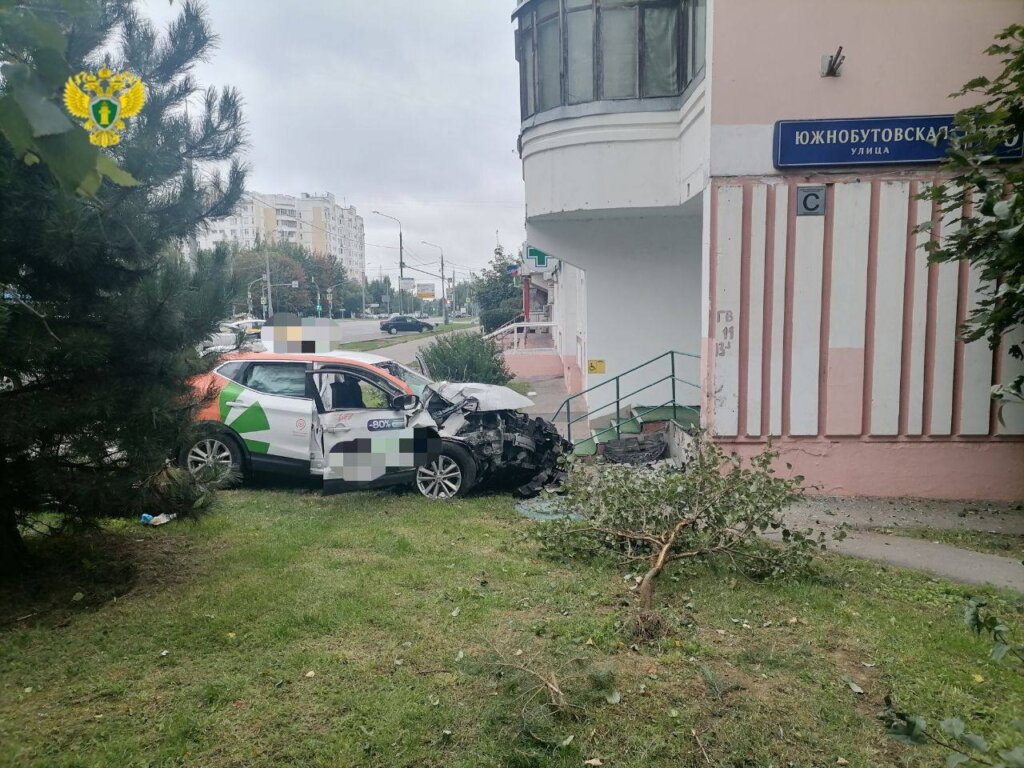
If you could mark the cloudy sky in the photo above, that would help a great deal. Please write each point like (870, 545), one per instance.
(402, 106)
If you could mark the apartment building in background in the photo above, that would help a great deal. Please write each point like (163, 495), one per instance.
(703, 181)
(313, 220)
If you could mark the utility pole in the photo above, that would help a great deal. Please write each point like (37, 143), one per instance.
(401, 261)
(330, 299)
(318, 304)
(364, 290)
(270, 295)
(248, 296)
(444, 302)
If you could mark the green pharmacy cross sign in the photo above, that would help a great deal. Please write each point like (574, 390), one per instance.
(537, 256)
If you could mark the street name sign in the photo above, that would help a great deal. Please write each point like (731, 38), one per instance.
(869, 141)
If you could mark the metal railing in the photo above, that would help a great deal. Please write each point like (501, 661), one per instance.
(521, 329)
(616, 382)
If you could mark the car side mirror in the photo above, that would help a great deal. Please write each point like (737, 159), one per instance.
(405, 403)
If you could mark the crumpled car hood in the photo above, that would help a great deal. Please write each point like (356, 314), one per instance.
(491, 397)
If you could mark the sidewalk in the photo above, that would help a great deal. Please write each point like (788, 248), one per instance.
(868, 520)
(548, 393)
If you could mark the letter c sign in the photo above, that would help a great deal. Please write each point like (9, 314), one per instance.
(810, 201)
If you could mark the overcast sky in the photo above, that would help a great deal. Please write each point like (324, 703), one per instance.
(402, 106)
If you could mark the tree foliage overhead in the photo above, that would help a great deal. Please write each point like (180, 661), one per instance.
(991, 237)
(101, 312)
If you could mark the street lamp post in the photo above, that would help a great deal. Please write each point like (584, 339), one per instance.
(401, 261)
(318, 304)
(444, 300)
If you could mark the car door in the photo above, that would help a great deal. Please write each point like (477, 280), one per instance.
(368, 438)
(273, 412)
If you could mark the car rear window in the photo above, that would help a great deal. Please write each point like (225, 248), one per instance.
(278, 378)
(232, 371)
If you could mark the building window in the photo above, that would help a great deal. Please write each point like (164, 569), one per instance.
(576, 51)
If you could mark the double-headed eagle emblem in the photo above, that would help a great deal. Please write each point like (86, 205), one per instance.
(104, 100)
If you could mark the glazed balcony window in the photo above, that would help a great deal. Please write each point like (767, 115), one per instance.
(578, 51)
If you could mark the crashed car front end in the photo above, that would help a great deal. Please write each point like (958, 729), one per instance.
(506, 443)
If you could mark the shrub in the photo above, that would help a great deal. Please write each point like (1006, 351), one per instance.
(465, 357)
(715, 508)
(493, 319)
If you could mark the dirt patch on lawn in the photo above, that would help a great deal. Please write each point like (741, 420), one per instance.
(73, 573)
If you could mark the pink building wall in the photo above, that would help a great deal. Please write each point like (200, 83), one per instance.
(832, 335)
(903, 56)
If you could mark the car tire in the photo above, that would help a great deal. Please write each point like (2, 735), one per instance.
(392, 331)
(214, 449)
(450, 475)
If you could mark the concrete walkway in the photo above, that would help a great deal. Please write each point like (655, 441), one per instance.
(548, 393)
(870, 519)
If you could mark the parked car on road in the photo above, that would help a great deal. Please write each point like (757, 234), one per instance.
(363, 421)
(251, 327)
(405, 323)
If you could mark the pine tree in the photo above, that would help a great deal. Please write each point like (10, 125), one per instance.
(101, 311)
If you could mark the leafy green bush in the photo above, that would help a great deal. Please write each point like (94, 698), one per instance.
(465, 357)
(493, 319)
(714, 508)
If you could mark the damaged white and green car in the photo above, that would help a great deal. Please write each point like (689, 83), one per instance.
(359, 421)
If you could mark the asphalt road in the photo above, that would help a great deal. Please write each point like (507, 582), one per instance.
(368, 330)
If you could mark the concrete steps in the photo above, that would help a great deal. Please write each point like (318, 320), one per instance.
(632, 421)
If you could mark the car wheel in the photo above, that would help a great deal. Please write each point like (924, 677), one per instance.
(213, 455)
(450, 475)
(392, 331)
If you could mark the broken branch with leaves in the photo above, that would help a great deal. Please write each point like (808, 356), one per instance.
(716, 505)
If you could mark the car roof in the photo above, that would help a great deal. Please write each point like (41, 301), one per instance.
(300, 357)
(362, 357)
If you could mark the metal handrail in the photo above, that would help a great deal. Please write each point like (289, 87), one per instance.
(517, 325)
(567, 403)
(625, 373)
(635, 392)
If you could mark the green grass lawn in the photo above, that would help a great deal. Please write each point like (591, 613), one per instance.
(401, 338)
(1005, 544)
(362, 630)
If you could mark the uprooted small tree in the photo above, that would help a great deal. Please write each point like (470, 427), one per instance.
(716, 508)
